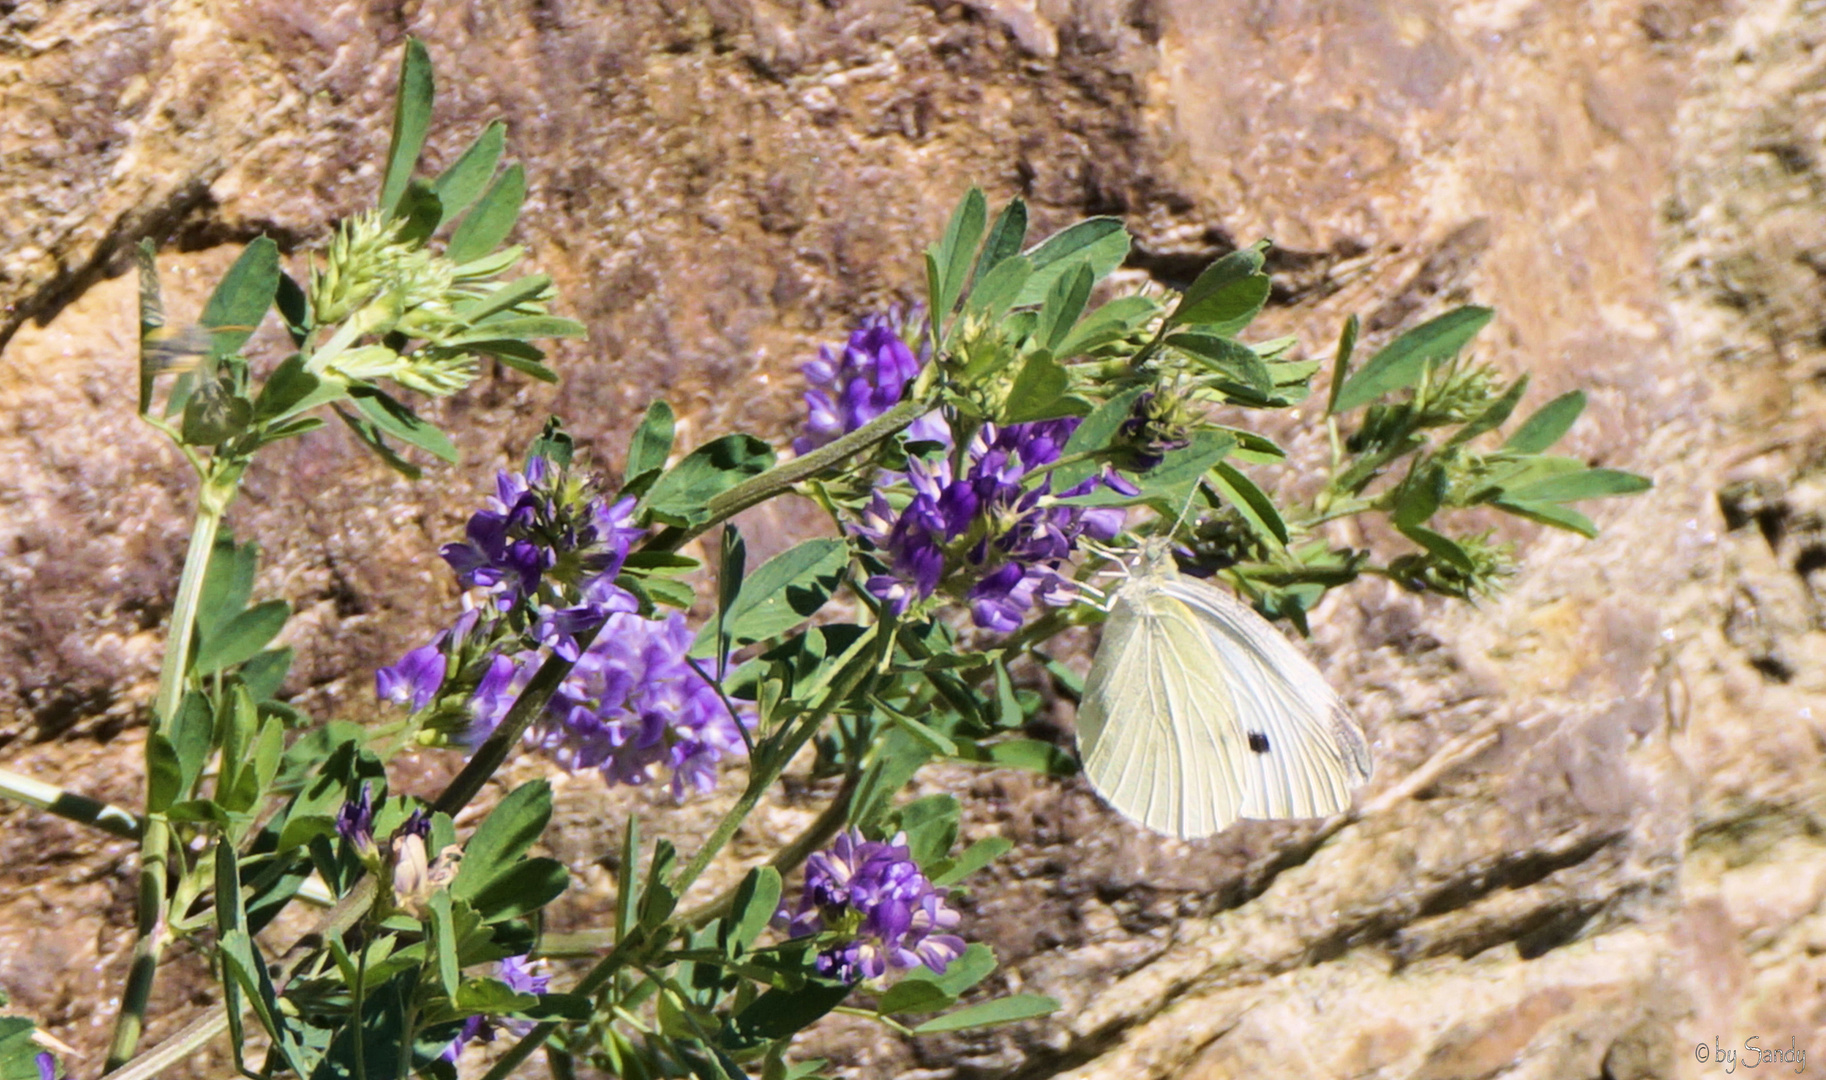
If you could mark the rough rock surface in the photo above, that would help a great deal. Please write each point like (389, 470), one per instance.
(1593, 840)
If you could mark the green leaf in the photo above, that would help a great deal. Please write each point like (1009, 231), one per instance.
(372, 438)
(461, 184)
(517, 355)
(1064, 304)
(192, 733)
(443, 934)
(1250, 501)
(1108, 324)
(1038, 391)
(269, 752)
(228, 581)
(294, 308)
(241, 301)
(1419, 496)
(164, 773)
(1095, 433)
(489, 222)
(1572, 487)
(998, 288)
(503, 838)
(419, 213)
(1227, 357)
(951, 256)
(1493, 417)
(1403, 361)
(934, 741)
(785, 591)
(657, 900)
(411, 121)
(1209, 299)
(241, 961)
(521, 889)
(391, 416)
(1547, 425)
(1004, 239)
(681, 495)
(913, 996)
(1443, 547)
(756, 900)
(518, 291)
(490, 997)
(627, 886)
(19, 1055)
(652, 443)
(1347, 344)
(974, 858)
(930, 824)
(1562, 517)
(213, 414)
(241, 639)
(292, 389)
(1253, 448)
(265, 673)
(1028, 755)
(1100, 241)
(1006, 1010)
(779, 1013)
(231, 918)
(519, 328)
(976, 964)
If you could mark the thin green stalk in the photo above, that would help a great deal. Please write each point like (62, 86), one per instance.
(150, 932)
(780, 478)
(68, 805)
(149, 941)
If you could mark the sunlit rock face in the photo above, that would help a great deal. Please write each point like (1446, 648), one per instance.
(1592, 840)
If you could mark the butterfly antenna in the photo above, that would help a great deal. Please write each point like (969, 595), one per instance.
(1186, 509)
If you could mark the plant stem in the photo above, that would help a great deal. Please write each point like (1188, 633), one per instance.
(149, 941)
(778, 479)
(213, 496)
(65, 804)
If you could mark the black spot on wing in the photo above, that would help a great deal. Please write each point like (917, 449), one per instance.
(1258, 742)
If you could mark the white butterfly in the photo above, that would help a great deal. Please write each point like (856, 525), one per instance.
(1197, 712)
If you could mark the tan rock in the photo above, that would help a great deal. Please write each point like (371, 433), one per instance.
(1593, 839)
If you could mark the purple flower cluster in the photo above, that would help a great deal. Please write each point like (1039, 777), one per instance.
(987, 533)
(857, 383)
(632, 703)
(538, 522)
(875, 891)
(520, 978)
(547, 549)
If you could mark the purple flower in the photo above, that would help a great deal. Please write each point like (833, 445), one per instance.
(521, 979)
(355, 823)
(47, 1065)
(417, 678)
(867, 377)
(494, 695)
(996, 540)
(875, 894)
(540, 524)
(631, 705)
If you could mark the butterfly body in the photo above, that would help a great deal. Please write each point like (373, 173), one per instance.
(1198, 712)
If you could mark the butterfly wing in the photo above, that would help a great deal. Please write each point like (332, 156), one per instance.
(1196, 712)
(1303, 755)
(1142, 749)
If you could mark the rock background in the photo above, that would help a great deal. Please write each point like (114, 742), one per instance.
(1594, 838)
